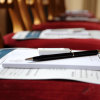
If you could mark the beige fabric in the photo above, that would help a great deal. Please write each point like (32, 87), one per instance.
(74, 4)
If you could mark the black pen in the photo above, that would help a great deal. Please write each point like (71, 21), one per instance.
(63, 55)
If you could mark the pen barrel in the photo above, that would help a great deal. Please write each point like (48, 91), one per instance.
(53, 57)
(65, 55)
(85, 53)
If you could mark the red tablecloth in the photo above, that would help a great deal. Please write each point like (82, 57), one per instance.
(48, 90)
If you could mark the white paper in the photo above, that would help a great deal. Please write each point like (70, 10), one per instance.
(95, 34)
(82, 34)
(43, 74)
(65, 33)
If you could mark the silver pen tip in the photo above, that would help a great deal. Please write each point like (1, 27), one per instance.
(29, 59)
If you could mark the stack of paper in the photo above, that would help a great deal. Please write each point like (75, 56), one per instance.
(84, 75)
(17, 60)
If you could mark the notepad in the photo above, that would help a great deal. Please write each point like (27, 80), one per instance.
(17, 60)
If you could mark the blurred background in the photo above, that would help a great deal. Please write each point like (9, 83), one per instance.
(6, 25)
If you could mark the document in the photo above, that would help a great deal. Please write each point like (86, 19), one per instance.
(87, 76)
(63, 34)
(75, 33)
(48, 34)
(17, 58)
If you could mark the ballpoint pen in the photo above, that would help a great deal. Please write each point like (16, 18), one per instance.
(64, 55)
